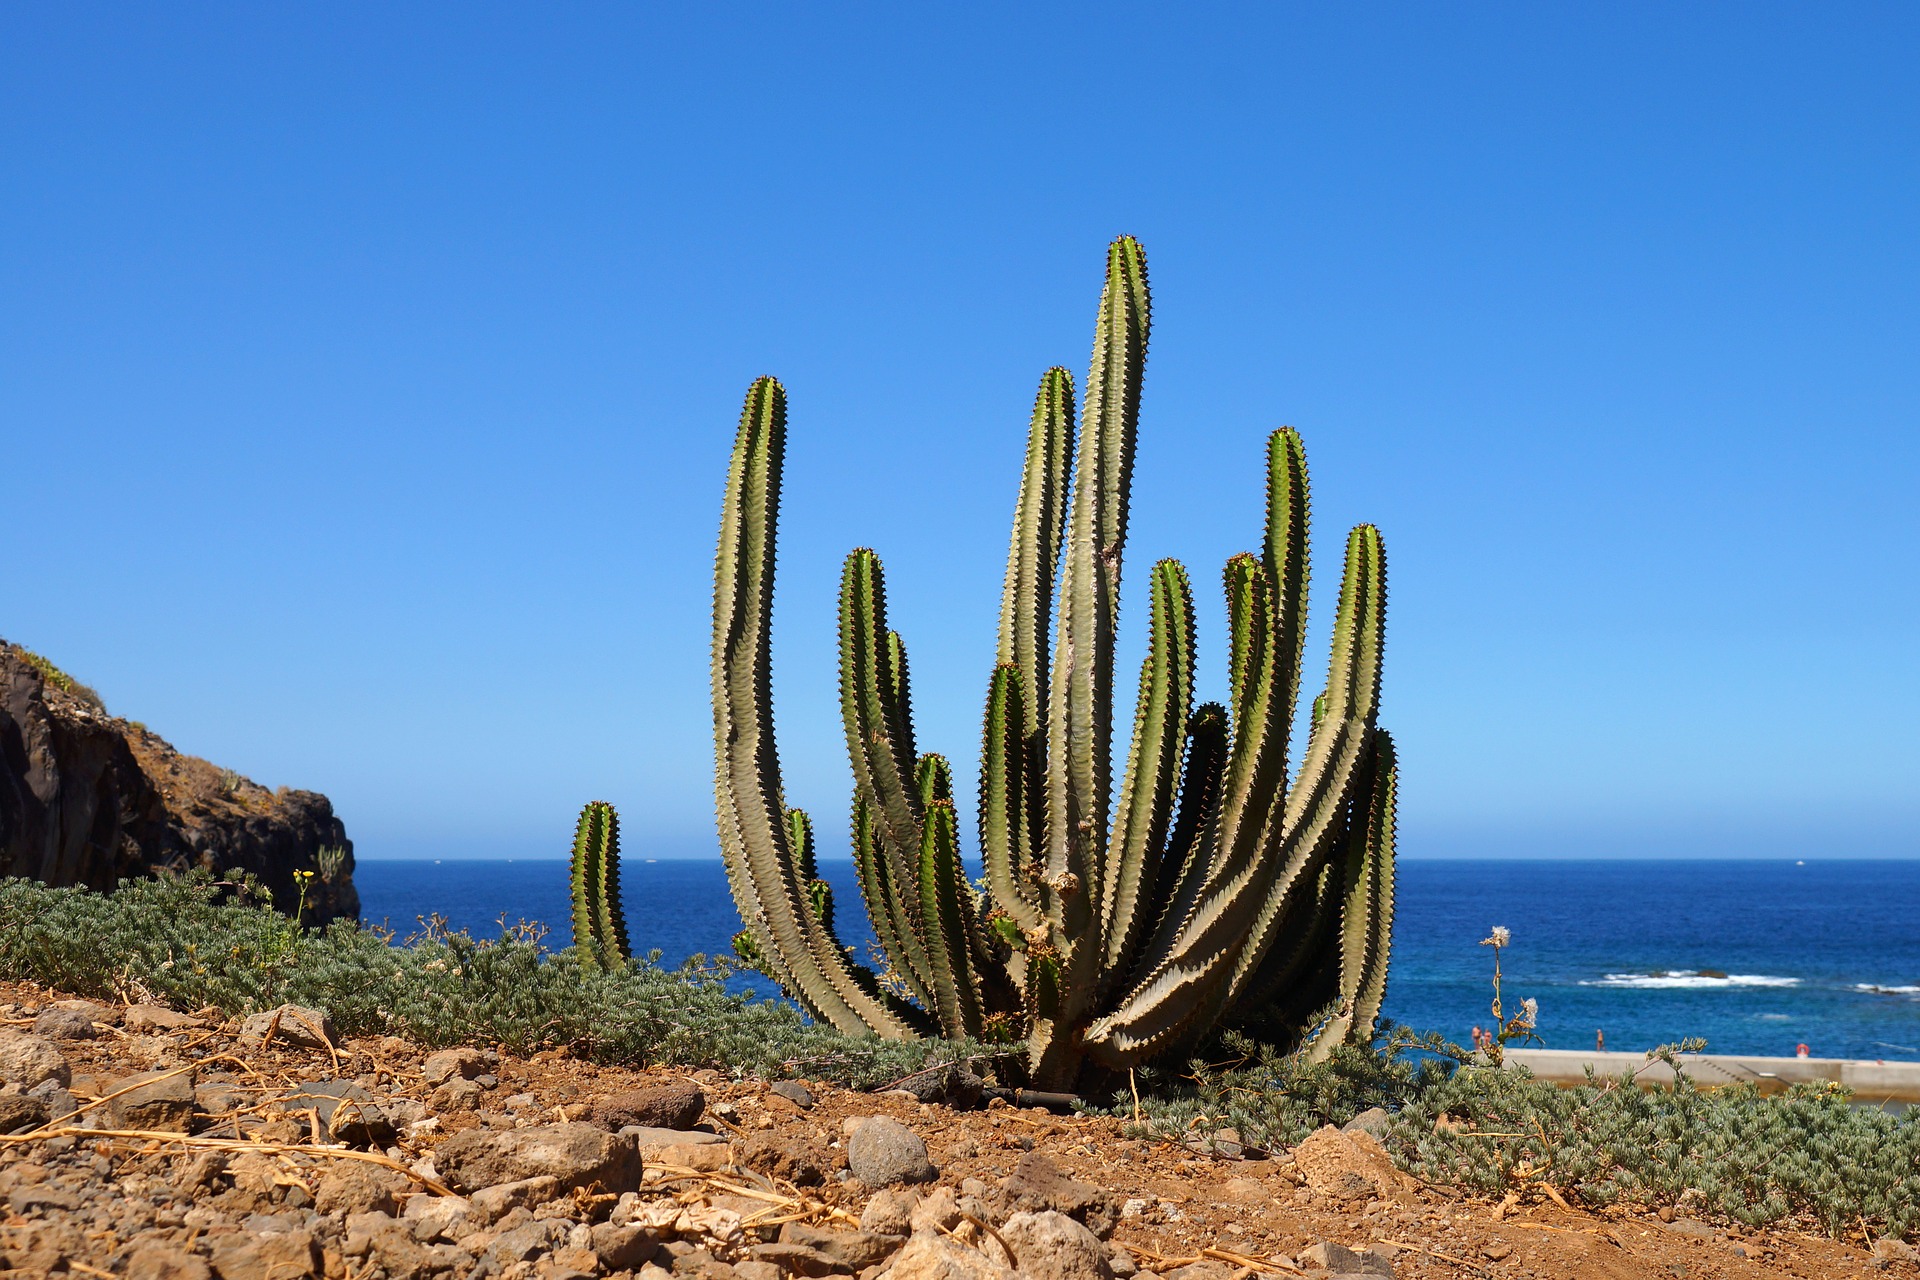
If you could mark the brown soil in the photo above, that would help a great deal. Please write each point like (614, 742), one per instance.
(1238, 1217)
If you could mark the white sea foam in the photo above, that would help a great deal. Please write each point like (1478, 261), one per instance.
(1874, 988)
(1687, 979)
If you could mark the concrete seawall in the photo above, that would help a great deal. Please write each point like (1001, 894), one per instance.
(1871, 1082)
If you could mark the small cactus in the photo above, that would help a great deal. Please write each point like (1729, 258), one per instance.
(599, 924)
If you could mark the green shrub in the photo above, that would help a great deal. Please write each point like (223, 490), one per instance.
(1274, 1099)
(193, 942)
(1731, 1152)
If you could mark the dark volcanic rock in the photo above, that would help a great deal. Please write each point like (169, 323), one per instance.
(675, 1105)
(90, 799)
(160, 1100)
(348, 1112)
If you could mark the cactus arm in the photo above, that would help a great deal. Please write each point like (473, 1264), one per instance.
(1342, 743)
(874, 709)
(1039, 523)
(892, 918)
(800, 837)
(819, 892)
(1152, 781)
(1080, 713)
(947, 908)
(1183, 868)
(1366, 918)
(1228, 934)
(584, 880)
(1013, 748)
(1007, 800)
(1284, 557)
(754, 840)
(1249, 767)
(1294, 979)
(609, 917)
(900, 709)
(1080, 696)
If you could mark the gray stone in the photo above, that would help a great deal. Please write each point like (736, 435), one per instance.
(527, 1242)
(450, 1064)
(577, 1155)
(153, 1019)
(1691, 1228)
(431, 1218)
(291, 1024)
(1373, 1120)
(194, 1174)
(793, 1091)
(1887, 1249)
(1037, 1183)
(890, 1211)
(1052, 1246)
(490, 1204)
(158, 1100)
(795, 1158)
(884, 1152)
(347, 1112)
(389, 1245)
(935, 1213)
(354, 1186)
(798, 1259)
(277, 1255)
(457, 1095)
(677, 1104)
(157, 1259)
(1342, 1261)
(624, 1248)
(933, 1257)
(18, 1112)
(28, 1060)
(650, 1139)
(853, 1250)
(64, 1024)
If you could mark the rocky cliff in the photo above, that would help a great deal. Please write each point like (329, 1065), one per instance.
(90, 799)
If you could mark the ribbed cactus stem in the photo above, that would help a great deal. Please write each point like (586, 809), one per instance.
(599, 925)
(1080, 706)
(755, 842)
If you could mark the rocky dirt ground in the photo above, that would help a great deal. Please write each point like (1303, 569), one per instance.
(138, 1141)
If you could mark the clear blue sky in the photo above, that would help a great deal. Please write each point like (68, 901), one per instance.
(367, 376)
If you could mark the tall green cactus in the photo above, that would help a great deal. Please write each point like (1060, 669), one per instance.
(1218, 888)
(599, 924)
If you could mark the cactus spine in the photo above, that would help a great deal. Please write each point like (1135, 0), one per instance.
(1218, 888)
(599, 924)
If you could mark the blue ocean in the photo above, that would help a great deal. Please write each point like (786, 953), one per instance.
(1757, 957)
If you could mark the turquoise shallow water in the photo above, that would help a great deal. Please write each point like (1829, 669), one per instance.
(1757, 957)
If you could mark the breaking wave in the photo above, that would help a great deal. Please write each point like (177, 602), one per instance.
(1690, 979)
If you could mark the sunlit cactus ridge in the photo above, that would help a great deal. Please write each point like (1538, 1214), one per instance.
(599, 922)
(1221, 885)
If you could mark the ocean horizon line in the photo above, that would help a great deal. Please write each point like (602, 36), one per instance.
(669, 856)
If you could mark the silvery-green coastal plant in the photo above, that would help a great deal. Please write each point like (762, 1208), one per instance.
(1219, 887)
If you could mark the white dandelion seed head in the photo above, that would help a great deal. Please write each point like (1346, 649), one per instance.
(1498, 938)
